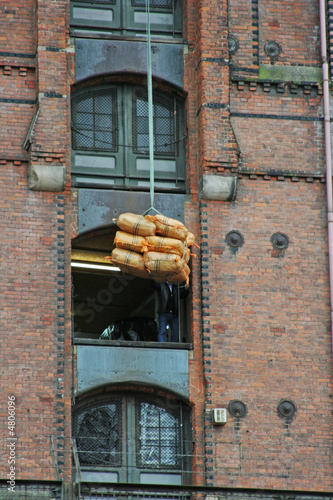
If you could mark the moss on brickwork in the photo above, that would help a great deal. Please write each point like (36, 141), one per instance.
(296, 74)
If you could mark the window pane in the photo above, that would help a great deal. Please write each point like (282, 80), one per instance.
(98, 435)
(103, 140)
(142, 125)
(163, 122)
(85, 105)
(103, 121)
(84, 139)
(167, 4)
(103, 103)
(94, 118)
(103, 2)
(84, 120)
(157, 437)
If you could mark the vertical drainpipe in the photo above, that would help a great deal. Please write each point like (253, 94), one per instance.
(327, 138)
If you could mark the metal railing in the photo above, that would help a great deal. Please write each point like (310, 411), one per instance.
(28, 490)
(92, 491)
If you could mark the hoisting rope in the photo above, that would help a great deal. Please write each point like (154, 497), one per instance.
(150, 115)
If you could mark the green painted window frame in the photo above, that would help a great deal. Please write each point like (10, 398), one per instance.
(110, 143)
(170, 438)
(127, 17)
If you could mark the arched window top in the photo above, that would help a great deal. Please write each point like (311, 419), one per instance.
(133, 437)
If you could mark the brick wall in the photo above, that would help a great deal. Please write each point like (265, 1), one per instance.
(267, 336)
(35, 283)
(265, 313)
(260, 318)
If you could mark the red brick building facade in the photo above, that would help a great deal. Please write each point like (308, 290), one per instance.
(240, 159)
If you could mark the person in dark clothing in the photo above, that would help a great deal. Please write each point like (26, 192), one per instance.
(168, 308)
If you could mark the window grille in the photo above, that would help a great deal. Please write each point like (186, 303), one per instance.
(165, 123)
(95, 121)
(99, 2)
(98, 434)
(133, 436)
(158, 437)
(110, 137)
(164, 4)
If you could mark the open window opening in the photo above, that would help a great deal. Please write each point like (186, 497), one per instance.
(111, 306)
(132, 438)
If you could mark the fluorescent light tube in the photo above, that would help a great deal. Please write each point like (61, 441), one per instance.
(86, 265)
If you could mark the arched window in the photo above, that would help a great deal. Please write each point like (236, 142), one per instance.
(133, 438)
(126, 17)
(110, 140)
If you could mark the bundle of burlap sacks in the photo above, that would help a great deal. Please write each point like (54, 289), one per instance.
(153, 247)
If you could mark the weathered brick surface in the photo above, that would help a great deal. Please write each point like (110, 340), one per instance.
(32, 324)
(267, 337)
(35, 280)
(265, 314)
(260, 318)
(18, 19)
(254, 24)
(299, 40)
(243, 25)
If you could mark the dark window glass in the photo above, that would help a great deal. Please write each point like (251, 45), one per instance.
(94, 121)
(98, 435)
(165, 124)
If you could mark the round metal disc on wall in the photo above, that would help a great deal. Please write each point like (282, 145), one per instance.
(272, 49)
(286, 409)
(234, 239)
(233, 44)
(280, 241)
(237, 409)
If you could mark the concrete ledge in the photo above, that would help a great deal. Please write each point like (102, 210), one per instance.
(218, 187)
(46, 178)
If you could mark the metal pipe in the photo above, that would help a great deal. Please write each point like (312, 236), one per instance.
(150, 110)
(328, 156)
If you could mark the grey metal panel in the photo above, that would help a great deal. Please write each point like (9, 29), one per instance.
(100, 365)
(96, 477)
(151, 478)
(99, 207)
(98, 57)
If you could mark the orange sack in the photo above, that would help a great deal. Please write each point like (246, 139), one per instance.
(190, 239)
(179, 277)
(171, 228)
(167, 245)
(136, 224)
(132, 242)
(160, 263)
(130, 262)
